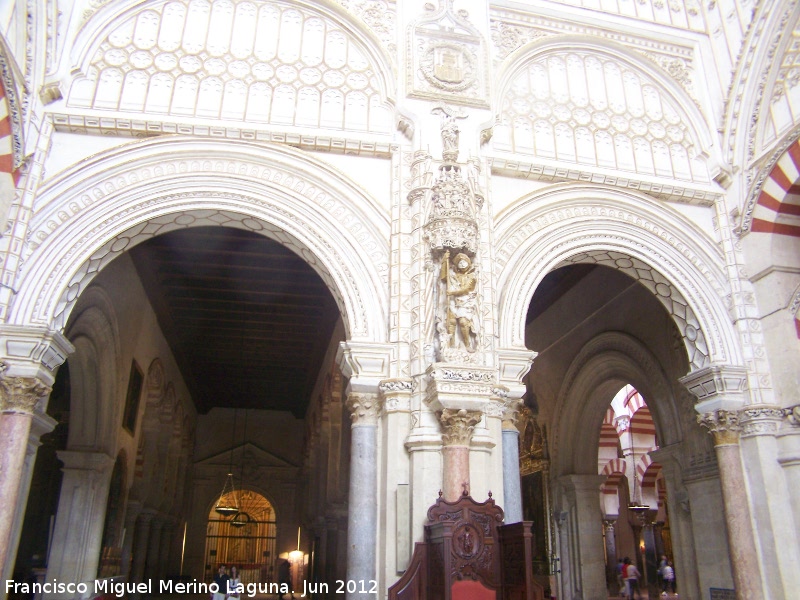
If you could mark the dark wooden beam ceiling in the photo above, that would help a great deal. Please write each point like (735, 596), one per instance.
(248, 321)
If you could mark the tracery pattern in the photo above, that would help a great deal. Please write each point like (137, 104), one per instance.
(666, 293)
(685, 14)
(591, 109)
(236, 60)
(784, 106)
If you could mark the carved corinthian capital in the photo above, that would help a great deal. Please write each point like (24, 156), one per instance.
(458, 426)
(21, 394)
(723, 424)
(364, 408)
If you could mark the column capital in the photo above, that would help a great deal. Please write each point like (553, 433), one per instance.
(723, 425)
(21, 394)
(718, 387)
(33, 352)
(458, 425)
(511, 413)
(364, 409)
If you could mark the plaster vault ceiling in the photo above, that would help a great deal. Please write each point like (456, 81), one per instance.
(248, 321)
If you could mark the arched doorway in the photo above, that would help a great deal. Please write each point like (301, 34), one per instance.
(246, 539)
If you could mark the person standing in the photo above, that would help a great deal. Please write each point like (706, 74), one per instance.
(233, 583)
(221, 579)
(284, 577)
(668, 574)
(632, 579)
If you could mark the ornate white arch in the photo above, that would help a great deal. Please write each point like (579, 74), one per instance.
(108, 204)
(658, 247)
(698, 129)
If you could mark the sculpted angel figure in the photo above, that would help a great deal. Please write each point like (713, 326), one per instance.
(460, 282)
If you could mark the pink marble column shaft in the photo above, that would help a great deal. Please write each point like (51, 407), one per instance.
(455, 471)
(14, 430)
(457, 432)
(746, 573)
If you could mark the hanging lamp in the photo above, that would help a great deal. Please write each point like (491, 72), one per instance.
(241, 518)
(228, 502)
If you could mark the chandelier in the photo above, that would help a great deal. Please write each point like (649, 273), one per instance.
(228, 501)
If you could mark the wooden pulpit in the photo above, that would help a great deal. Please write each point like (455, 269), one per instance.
(468, 554)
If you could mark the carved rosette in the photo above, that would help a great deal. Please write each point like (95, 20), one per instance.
(760, 420)
(458, 426)
(396, 395)
(21, 394)
(723, 425)
(364, 409)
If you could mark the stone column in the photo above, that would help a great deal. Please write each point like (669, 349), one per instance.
(611, 542)
(141, 542)
(165, 550)
(131, 514)
(789, 456)
(457, 426)
(587, 533)
(512, 488)
(19, 397)
(724, 425)
(78, 532)
(362, 518)
(564, 563)
(151, 567)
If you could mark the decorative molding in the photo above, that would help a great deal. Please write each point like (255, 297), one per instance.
(458, 425)
(364, 409)
(457, 388)
(33, 352)
(717, 387)
(760, 420)
(541, 170)
(396, 395)
(792, 415)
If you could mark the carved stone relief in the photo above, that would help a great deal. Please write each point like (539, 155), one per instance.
(448, 57)
(451, 296)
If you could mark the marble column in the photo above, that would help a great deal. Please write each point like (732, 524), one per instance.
(141, 542)
(19, 397)
(40, 425)
(611, 542)
(724, 425)
(457, 426)
(512, 487)
(362, 517)
(78, 532)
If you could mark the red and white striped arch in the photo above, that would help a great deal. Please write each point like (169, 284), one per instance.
(778, 207)
(615, 472)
